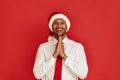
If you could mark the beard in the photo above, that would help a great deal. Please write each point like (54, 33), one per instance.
(62, 34)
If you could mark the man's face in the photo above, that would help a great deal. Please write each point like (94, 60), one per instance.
(59, 27)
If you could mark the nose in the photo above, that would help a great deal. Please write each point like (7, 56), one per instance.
(58, 25)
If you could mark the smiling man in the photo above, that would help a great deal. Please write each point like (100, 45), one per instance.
(60, 58)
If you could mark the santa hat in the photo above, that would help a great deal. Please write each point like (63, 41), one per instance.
(59, 15)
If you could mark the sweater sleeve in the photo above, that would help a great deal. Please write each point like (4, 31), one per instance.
(41, 66)
(78, 64)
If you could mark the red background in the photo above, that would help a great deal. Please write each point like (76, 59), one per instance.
(24, 25)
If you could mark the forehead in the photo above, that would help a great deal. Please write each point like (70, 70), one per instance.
(59, 19)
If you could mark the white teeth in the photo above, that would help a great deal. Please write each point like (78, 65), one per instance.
(59, 29)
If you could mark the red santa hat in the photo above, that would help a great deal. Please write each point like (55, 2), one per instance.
(59, 15)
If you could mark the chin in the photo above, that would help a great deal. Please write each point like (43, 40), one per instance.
(61, 34)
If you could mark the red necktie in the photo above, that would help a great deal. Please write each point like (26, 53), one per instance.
(58, 69)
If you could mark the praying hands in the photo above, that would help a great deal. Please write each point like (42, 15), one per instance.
(59, 49)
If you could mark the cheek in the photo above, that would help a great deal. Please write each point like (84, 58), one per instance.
(53, 27)
(65, 27)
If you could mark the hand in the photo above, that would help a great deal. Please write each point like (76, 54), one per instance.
(61, 47)
(57, 52)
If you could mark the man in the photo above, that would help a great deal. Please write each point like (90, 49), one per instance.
(60, 58)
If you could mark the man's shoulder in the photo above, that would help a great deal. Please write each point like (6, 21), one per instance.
(45, 44)
(75, 43)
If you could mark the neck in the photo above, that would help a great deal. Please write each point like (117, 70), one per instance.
(61, 36)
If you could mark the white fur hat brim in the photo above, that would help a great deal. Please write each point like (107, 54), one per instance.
(59, 16)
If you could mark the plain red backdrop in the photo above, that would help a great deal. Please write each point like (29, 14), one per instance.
(24, 25)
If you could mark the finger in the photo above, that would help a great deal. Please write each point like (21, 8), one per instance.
(60, 39)
(62, 47)
(57, 46)
(57, 49)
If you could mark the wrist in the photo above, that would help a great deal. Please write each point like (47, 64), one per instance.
(64, 57)
(55, 56)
